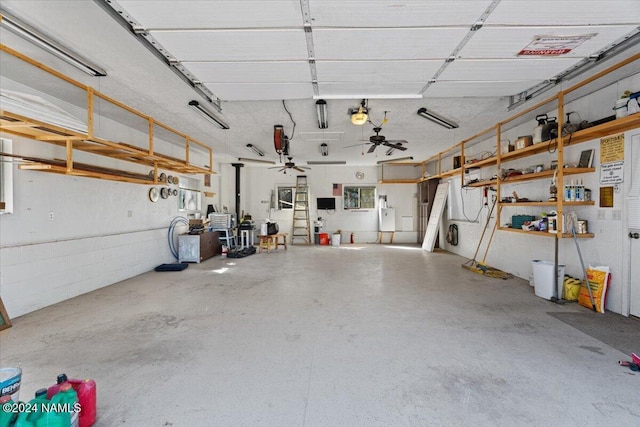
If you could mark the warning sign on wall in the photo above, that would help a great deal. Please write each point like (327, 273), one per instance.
(612, 159)
(549, 45)
(612, 148)
(611, 173)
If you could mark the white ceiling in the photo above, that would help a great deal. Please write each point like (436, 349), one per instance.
(253, 54)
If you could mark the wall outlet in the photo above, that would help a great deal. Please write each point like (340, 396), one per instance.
(616, 215)
(129, 214)
(50, 216)
(602, 214)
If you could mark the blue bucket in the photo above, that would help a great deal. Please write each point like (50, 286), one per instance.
(10, 382)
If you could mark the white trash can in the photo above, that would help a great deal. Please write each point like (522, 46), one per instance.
(335, 239)
(543, 279)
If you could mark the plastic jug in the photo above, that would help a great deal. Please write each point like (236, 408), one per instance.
(537, 131)
(65, 401)
(36, 410)
(87, 397)
(6, 416)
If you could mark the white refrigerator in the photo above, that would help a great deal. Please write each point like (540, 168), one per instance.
(387, 219)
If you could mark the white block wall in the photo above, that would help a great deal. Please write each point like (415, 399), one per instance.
(102, 232)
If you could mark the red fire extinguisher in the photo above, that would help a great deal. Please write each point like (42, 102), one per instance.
(352, 237)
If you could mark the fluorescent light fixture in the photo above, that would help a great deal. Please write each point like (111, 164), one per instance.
(324, 149)
(29, 33)
(369, 96)
(423, 112)
(321, 111)
(399, 159)
(327, 162)
(268, 162)
(208, 115)
(255, 149)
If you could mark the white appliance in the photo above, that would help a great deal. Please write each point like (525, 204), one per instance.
(387, 219)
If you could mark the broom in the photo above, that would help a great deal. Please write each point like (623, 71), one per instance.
(572, 218)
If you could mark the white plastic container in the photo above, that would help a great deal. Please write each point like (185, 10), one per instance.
(335, 239)
(543, 279)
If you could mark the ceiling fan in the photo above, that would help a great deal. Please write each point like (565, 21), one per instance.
(377, 139)
(290, 165)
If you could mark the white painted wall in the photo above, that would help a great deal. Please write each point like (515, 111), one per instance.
(514, 252)
(102, 232)
(258, 182)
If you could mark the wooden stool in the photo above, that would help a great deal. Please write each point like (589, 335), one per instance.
(269, 240)
(381, 235)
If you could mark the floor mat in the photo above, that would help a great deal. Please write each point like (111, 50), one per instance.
(621, 333)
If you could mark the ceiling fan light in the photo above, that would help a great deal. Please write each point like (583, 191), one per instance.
(360, 117)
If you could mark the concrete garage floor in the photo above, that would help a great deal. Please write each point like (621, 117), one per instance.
(361, 335)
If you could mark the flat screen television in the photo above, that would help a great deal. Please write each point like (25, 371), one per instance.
(326, 203)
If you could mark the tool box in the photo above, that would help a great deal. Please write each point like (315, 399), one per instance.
(518, 220)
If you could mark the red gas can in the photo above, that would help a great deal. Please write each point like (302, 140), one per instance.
(87, 396)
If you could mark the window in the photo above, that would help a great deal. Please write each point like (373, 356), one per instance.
(6, 177)
(190, 199)
(359, 197)
(285, 197)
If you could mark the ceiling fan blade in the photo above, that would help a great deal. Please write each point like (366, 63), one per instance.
(372, 149)
(397, 141)
(299, 169)
(356, 145)
(395, 146)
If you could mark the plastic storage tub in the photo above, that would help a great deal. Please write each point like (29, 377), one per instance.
(543, 279)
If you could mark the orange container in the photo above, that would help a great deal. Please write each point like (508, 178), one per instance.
(324, 239)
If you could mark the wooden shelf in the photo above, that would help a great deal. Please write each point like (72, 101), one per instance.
(527, 203)
(533, 233)
(545, 174)
(483, 183)
(398, 181)
(482, 163)
(450, 173)
(86, 141)
(609, 128)
(531, 150)
(547, 234)
(579, 235)
(585, 203)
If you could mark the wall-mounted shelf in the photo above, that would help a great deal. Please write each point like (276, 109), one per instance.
(449, 173)
(72, 140)
(491, 182)
(545, 174)
(490, 161)
(547, 234)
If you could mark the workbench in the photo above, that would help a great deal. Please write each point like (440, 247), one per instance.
(267, 241)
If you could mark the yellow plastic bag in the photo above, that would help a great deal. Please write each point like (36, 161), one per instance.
(598, 278)
(571, 289)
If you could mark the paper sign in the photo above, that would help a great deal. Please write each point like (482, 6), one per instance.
(550, 45)
(612, 148)
(611, 173)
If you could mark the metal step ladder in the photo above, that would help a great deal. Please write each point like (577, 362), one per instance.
(301, 232)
